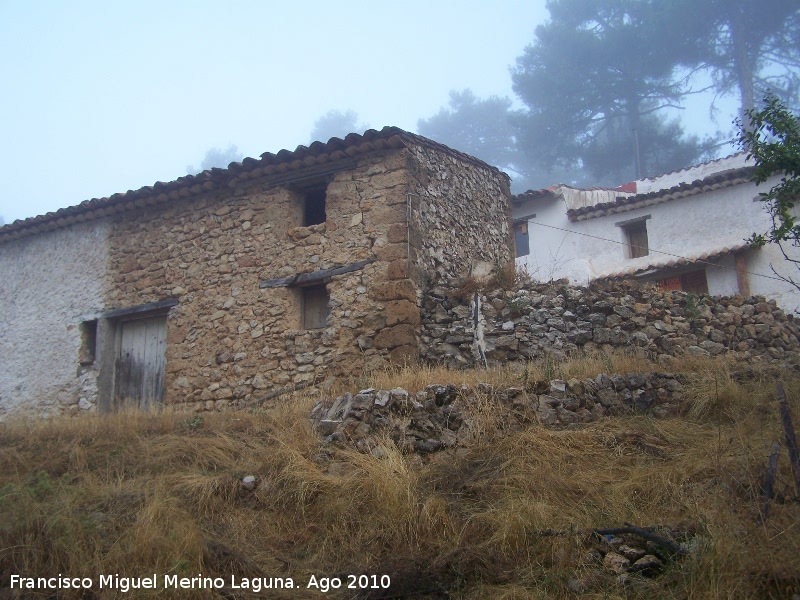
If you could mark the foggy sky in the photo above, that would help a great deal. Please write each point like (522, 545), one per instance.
(102, 97)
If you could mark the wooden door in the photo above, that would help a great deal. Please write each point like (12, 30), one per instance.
(140, 364)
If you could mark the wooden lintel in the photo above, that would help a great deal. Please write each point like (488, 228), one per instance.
(280, 282)
(301, 176)
(150, 307)
(315, 276)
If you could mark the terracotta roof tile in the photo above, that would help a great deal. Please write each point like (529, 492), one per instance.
(713, 182)
(285, 161)
(673, 262)
(533, 194)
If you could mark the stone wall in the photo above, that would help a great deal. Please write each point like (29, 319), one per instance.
(443, 416)
(229, 339)
(460, 216)
(553, 320)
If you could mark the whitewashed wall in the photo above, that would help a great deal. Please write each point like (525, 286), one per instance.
(555, 246)
(49, 281)
(722, 280)
(686, 227)
(787, 296)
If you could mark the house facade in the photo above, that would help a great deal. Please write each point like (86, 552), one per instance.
(684, 230)
(226, 286)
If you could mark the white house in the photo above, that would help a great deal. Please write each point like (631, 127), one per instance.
(681, 230)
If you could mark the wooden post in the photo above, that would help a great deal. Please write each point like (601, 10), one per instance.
(742, 278)
(791, 439)
(769, 480)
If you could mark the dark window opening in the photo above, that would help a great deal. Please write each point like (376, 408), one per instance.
(315, 311)
(88, 350)
(521, 240)
(314, 206)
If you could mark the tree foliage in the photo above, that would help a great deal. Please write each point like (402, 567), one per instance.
(771, 137)
(482, 128)
(217, 157)
(749, 46)
(335, 123)
(597, 71)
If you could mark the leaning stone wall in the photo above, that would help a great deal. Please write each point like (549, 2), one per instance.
(230, 341)
(554, 320)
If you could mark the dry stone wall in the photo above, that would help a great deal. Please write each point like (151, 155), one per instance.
(542, 321)
(443, 416)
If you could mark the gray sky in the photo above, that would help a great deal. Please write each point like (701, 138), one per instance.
(102, 97)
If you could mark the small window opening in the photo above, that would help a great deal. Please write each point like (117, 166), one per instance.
(314, 206)
(315, 300)
(636, 238)
(88, 348)
(521, 240)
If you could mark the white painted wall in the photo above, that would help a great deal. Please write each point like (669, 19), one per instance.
(722, 280)
(763, 260)
(49, 281)
(687, 227)
(555, 248)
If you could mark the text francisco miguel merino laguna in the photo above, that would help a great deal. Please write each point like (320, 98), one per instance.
(174, 582)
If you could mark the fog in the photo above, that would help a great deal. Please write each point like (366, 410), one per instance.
(104, 97)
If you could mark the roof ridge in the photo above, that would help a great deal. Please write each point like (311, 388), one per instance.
(684, 189)
(215, 178)
(694, 166)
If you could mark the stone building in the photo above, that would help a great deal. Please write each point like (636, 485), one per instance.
(222, 287)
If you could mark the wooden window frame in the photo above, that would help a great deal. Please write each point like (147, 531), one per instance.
(521, 239)
(634, 248)
(314, 293)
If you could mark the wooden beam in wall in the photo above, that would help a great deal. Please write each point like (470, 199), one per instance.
(302, 279)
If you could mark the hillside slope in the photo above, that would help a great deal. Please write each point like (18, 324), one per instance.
(512, 515)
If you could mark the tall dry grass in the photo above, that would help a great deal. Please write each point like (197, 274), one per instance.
(507, 517)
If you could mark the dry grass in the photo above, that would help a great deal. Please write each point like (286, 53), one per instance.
(520, 374)
(135, 494)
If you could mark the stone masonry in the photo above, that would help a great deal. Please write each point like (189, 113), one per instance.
(551, 321)
(221, 258)
(443, 417)
(408, 237)
(230, 341)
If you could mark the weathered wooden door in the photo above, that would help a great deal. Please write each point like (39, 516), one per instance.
(139, 380)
